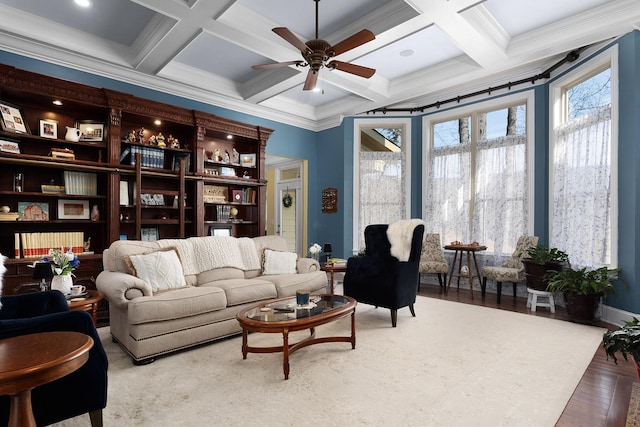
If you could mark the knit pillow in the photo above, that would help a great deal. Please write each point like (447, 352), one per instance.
(277, 262)
(161, 269)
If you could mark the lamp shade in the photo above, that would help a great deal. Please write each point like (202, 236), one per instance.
(42, 270)
(327, 248)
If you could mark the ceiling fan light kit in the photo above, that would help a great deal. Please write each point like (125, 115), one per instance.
(317, 52)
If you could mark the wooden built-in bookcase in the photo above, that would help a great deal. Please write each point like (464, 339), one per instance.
(165, 190)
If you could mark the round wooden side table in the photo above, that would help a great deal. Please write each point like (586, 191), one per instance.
(27, 361)
(89, 303)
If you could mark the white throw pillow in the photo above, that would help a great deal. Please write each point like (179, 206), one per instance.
(277, 262)
(161, 269)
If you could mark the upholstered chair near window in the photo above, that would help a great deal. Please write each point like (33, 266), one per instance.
(512, 270)
(385, 277)
(432, 259)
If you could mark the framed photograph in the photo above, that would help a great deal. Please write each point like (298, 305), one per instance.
(12, 119)
(34, 211)
(248, 160)
(220, 230)
(73, 209)
(9, 146)
(91, 130)
(149, 234)
(48, 128)
(149, 199)
(176, 161)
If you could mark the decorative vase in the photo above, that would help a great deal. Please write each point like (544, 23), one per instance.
(316, 256)
(62, 283)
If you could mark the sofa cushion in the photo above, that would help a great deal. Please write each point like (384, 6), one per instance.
(220, 274)
(288, 284)
(177, 304)
(278, 262)
(118, 251)
(161, 269)
(242, 291)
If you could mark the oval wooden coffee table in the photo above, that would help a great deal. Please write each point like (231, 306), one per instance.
(266, 318)
(27, 361)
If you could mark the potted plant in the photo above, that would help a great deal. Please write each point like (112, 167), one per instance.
(582, 289)
(626, 341)
(538, 260)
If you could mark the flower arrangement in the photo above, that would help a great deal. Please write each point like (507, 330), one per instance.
(314, 250)
(62, 263)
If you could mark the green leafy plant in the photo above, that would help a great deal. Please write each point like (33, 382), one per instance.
(543, 254)
(582, 281)
(625, 340)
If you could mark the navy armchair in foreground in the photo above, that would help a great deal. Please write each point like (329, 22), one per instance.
(382, 279)
(82, 391)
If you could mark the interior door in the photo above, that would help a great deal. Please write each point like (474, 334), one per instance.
(289, 214)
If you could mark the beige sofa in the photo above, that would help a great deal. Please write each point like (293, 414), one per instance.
(222, 275)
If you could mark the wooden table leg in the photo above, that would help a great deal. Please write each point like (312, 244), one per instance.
(285, 353)
(470, 272)
(353, 329)
(331, 285)
(475, 262)
(453, 266)
(20, 412)
(244, 343)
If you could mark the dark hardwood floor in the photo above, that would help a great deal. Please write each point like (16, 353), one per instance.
(602, 396)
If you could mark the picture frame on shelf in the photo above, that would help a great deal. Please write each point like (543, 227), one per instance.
(92, 131)
(220, 230)
(73, 209)
(176, 161)
(48, 128)
(237, 196)
(8, 146)
(149, 199)
(12, 118)
(248, 160)
(33, 211)
(149, 234)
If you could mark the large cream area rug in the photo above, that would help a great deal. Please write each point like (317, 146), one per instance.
(452, 365)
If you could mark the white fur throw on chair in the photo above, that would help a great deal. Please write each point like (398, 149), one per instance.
(400, 234)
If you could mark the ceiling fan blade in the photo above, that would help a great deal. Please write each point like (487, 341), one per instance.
(275, 65)
(358, 70)
(286, 34)
(359, 38)
(312, 79)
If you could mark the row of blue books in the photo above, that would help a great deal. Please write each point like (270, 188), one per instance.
(149, 157)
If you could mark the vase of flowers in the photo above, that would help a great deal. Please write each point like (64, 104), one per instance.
(314, 250)
(62, 264)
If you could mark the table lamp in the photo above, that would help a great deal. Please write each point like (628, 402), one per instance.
(43, 271)
(327, 250)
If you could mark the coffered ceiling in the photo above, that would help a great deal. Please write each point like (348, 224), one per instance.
(424, 50)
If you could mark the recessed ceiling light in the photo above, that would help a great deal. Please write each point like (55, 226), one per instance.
(407, 52)
(83, 3)
(157, 122)
(57, 102)
(229, 136)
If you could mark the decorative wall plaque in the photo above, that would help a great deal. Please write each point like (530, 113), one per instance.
(330, 200)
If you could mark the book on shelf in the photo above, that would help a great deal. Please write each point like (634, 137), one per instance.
(30, 245)
(150, 157)
(81, 183)
(62, 153)
(8, 216)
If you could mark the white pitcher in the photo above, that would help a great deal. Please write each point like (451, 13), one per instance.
(73, 134)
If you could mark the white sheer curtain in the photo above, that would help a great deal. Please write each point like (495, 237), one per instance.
(489, 205)
(581, 218)
(382, 189)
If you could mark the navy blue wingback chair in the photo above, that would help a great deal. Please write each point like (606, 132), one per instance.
(380, 279)
(82, 391)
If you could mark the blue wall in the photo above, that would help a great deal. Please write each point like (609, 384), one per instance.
(330, 158)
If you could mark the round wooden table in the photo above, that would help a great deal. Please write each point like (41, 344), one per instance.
(27, 361)
(89, 304)
(332, 269)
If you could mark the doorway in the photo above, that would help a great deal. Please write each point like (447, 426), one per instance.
(286, 196)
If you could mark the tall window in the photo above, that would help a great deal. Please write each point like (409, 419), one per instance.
(582, 158)
(477, 179)
(381, 175)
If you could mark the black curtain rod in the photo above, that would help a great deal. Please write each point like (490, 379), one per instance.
(570, 57)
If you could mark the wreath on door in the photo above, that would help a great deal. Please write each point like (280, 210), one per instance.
(287, 201)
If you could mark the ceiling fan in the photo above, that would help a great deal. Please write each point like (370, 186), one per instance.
(318, 52)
